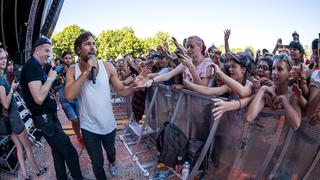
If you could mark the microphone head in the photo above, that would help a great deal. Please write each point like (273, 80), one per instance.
(91, 56)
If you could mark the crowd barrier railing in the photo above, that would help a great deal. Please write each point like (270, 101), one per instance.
(267, 148)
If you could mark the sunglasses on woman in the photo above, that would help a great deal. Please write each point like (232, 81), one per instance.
(265, 68)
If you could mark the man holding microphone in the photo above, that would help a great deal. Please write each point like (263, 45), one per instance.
(92, 88)
(38, 94)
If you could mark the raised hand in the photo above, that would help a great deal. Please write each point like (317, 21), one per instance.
(297, 92)
(279, 43)
(227, 33)
(269, 95)
(180, 48)
(165, 52)
(277, 103)
(256, 84)
(266, 82)
(14, 85)
(185, 60)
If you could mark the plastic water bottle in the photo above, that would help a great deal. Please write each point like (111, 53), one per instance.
(185, 170)
(178, 166)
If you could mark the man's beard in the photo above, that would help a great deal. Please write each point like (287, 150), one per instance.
(89, 56)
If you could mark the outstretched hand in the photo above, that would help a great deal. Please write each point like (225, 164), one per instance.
(180, 48)
(220, 107)
(141, 79)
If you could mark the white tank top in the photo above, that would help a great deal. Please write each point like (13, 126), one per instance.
(96, 114)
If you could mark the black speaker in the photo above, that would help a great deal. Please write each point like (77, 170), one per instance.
(19, 58)
(52, 18)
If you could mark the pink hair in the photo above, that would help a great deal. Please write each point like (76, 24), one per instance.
(200, 42)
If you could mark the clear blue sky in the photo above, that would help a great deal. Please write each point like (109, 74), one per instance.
(253, 22)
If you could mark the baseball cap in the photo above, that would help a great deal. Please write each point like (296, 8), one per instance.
(41, 41)
(242, 58)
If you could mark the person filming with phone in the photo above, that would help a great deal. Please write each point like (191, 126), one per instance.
(38, 94)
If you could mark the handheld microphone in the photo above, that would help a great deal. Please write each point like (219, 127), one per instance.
(94, 69)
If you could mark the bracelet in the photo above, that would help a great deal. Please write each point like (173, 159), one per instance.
(50, 79)
(152, 81)
(239, 103)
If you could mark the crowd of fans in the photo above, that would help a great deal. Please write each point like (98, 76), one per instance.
(282, 80)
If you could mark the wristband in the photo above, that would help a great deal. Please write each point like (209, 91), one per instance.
(50, 79)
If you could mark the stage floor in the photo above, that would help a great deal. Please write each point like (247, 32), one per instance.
(127, 167)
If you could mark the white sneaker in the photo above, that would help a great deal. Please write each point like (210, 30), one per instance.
(113, 169)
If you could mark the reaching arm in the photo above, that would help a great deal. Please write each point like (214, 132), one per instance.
(293, 112)
(313, 101)
(40, 91)
(256, 105)
(222, 106)
(235, 86)
(116, 83)
(226, 40)
(208, 91)
(279, 43)
(163, 77)
(196, 78)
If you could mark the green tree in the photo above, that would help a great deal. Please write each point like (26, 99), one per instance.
(252, 48)
(159, 39)
(236, 50)
(308, 51)
(221, 48)
(112, 43)
(64, 40)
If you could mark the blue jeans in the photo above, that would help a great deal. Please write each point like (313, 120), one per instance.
(70, 108)
(93, 144)
(61, 148)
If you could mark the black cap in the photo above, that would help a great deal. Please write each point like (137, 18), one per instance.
(241, 57)
(39, 42)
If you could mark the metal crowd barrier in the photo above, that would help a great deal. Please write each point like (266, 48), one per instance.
(267, 148)
(121, 105)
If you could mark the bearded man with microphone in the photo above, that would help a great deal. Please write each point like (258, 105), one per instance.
(90, 80)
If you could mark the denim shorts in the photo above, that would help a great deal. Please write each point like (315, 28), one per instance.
(71, 109)
(16, 123)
